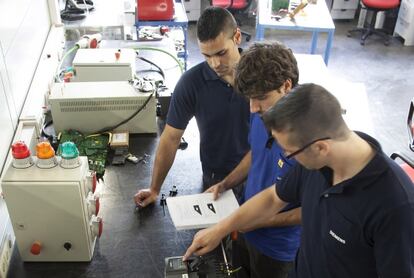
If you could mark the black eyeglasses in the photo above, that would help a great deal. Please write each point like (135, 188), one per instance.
(305, 147)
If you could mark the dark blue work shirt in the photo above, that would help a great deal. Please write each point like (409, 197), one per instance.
(222, 117)
(361, 227)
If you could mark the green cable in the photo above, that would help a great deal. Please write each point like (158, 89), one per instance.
(76, 47)
(163, 51)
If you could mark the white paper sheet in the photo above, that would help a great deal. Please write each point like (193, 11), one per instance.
(199, 210)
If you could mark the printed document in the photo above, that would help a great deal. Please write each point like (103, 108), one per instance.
(199, 210)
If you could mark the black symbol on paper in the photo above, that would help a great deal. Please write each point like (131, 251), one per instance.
(211, 207)
(197, 209)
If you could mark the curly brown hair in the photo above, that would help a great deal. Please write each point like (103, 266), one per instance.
(265, 67)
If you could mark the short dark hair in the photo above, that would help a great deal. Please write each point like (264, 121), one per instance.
(265, 67)
(308, 112)
(213, 21)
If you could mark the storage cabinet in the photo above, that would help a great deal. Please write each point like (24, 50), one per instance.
(344, 9)
(192, 8)
(405, 22)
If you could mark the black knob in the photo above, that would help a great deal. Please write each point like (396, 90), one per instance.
(67, 245)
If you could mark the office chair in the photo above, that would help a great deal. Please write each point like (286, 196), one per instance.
(408, 164)
(235, 7)
(76, 9)
(375, 6)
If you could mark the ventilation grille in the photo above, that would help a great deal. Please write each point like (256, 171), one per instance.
(100, 105)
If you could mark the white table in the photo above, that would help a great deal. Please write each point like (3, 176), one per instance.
(351, 95)
(180, 20)
(314, 18)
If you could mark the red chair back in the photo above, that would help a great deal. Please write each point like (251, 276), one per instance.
(236, 5)
(409, 170)
(381, 4)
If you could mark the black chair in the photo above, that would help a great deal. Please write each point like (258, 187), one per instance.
(375, 6)
(235, 7)
(76, 9)
(408, 164)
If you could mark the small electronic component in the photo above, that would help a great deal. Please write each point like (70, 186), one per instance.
(119, 140)
(118, 160)
(120, 144)
(163, 203)
(132, 158)
(183, 144)
(173, 191)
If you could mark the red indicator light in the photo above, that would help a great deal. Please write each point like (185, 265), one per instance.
(20, 150)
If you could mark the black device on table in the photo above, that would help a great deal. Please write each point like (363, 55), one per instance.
(195, 267)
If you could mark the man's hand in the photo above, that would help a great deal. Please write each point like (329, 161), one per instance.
(204, 241)
(145, 197)
(216, 189)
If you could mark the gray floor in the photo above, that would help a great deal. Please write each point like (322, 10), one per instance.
(386, 71)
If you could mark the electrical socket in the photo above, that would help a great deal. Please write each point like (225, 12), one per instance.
(5, 256)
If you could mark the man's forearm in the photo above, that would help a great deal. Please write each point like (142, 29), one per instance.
(255, 211)
(286, 218)
(164, 159)
(239, 173)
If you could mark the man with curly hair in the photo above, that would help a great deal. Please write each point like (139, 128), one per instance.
(264, 75)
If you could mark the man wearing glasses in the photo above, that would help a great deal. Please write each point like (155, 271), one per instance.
(357, 204)
(265, 73)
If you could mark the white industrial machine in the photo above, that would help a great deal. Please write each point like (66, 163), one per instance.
(52, 207)
(90, 107)
(104, 64)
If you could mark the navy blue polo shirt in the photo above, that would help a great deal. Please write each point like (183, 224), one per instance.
(222, 117)
(267, 168)
(362, 227)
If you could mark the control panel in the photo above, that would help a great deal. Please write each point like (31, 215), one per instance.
(104, 64)
(52, 204)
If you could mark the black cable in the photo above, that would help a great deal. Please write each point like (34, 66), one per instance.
(160, 71)
(149, 70)
(71, 13)
(53, 140)
(44, 133)
(127, 119)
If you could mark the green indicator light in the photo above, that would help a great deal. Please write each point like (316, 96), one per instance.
(69, 150)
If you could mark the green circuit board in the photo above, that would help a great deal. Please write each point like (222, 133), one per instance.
(93, 147)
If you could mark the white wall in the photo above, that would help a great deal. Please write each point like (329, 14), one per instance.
(7, 122)
(24, 27)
